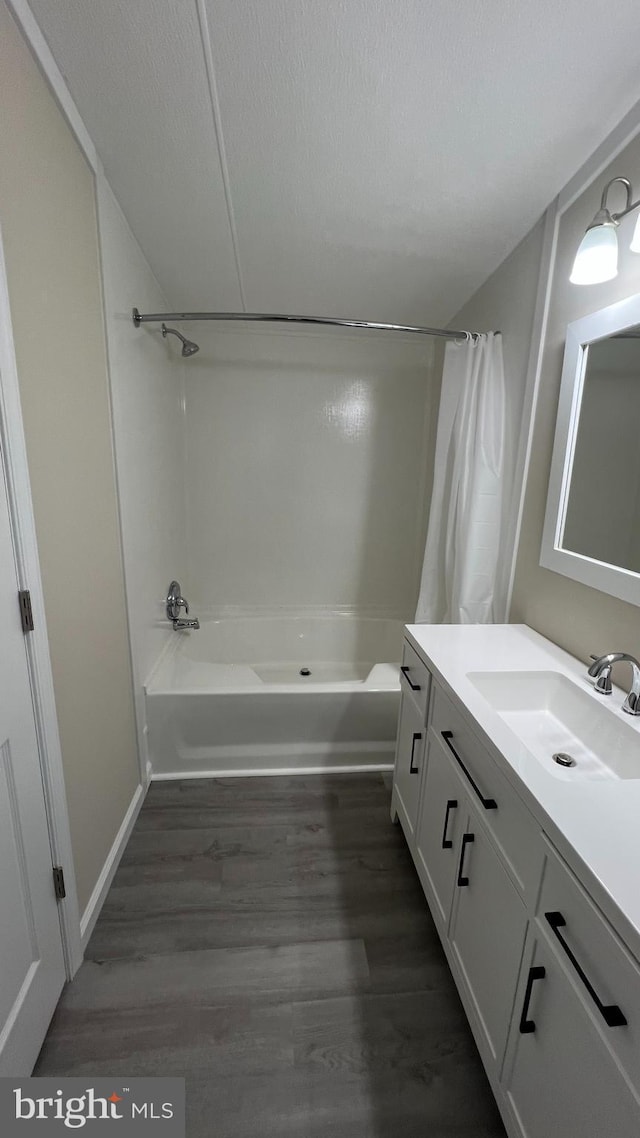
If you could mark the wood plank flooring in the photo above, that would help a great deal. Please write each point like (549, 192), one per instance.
(268, 939)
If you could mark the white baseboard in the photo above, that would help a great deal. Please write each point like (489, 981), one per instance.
(97, 898)
(251, 772)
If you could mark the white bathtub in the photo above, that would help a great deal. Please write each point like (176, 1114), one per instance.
(232, 698)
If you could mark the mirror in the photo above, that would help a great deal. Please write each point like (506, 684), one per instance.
(592, 523)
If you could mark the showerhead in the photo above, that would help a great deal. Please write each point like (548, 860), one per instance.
(188, 346)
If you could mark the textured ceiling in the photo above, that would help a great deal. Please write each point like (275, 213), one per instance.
(367, 158)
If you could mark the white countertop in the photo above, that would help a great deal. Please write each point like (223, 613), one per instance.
(595, 824)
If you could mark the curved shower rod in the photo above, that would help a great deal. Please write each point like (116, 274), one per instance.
(277, 317)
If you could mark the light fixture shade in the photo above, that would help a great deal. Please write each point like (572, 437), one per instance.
(597, 256)
(635, 240)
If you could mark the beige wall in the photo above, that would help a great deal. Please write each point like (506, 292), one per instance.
(48, 221)
(505, 303)
(580, 619)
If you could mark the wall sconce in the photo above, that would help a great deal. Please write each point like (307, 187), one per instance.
(597, 256)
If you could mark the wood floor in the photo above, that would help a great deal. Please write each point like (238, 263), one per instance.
(268, 939)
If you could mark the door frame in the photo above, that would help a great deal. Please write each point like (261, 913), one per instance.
(23, 532)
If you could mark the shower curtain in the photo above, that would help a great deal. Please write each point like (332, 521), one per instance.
(460, 572)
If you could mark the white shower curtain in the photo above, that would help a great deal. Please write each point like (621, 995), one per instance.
(460, 571)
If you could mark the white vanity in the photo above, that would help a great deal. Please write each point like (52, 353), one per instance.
(531, 869)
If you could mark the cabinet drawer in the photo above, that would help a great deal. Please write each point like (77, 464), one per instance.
(603, 972)
(514, 829)
(415, 679)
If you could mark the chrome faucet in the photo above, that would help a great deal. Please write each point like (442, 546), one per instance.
(600, 670)
(175, 601)
(180, 624)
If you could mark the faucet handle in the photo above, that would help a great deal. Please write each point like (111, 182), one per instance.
(603, 683)
(596, 668)
(632, 703)
(600, 671)
(175, 601)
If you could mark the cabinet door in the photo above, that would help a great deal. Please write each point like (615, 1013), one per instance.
(409, 761)
(561, 1078)
(443, 813)
(488, 928)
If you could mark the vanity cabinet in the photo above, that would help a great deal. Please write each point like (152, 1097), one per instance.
(551, 992)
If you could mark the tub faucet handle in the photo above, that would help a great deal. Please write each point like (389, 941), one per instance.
(175, 601)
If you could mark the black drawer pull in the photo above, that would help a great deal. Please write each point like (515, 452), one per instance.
(405, 672)
(452, 804)
(466, 840)
(413, 769)
(611, 1013)
(488, 803)
(527, 1026)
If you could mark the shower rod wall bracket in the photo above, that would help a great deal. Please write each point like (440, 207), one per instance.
(280, 318)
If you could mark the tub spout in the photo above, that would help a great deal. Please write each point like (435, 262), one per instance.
(179, 624)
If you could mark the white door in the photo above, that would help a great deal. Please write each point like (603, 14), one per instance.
(32, 969)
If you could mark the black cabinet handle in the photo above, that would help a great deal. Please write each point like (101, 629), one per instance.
(405, 672)
(466, 840)
(527, 1026)
(611, 1013)
(413, 769)
(488, 803)
(452, 804)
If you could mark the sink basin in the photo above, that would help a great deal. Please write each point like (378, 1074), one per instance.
(551, 714)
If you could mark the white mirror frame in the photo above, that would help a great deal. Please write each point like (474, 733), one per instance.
(611, 579)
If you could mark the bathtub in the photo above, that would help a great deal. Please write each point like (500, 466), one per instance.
(265, 694)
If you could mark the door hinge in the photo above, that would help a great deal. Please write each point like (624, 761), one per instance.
(26, 613)
(58, 883)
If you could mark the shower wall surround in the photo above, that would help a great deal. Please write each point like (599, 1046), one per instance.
(147, 391)
(309, 461)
